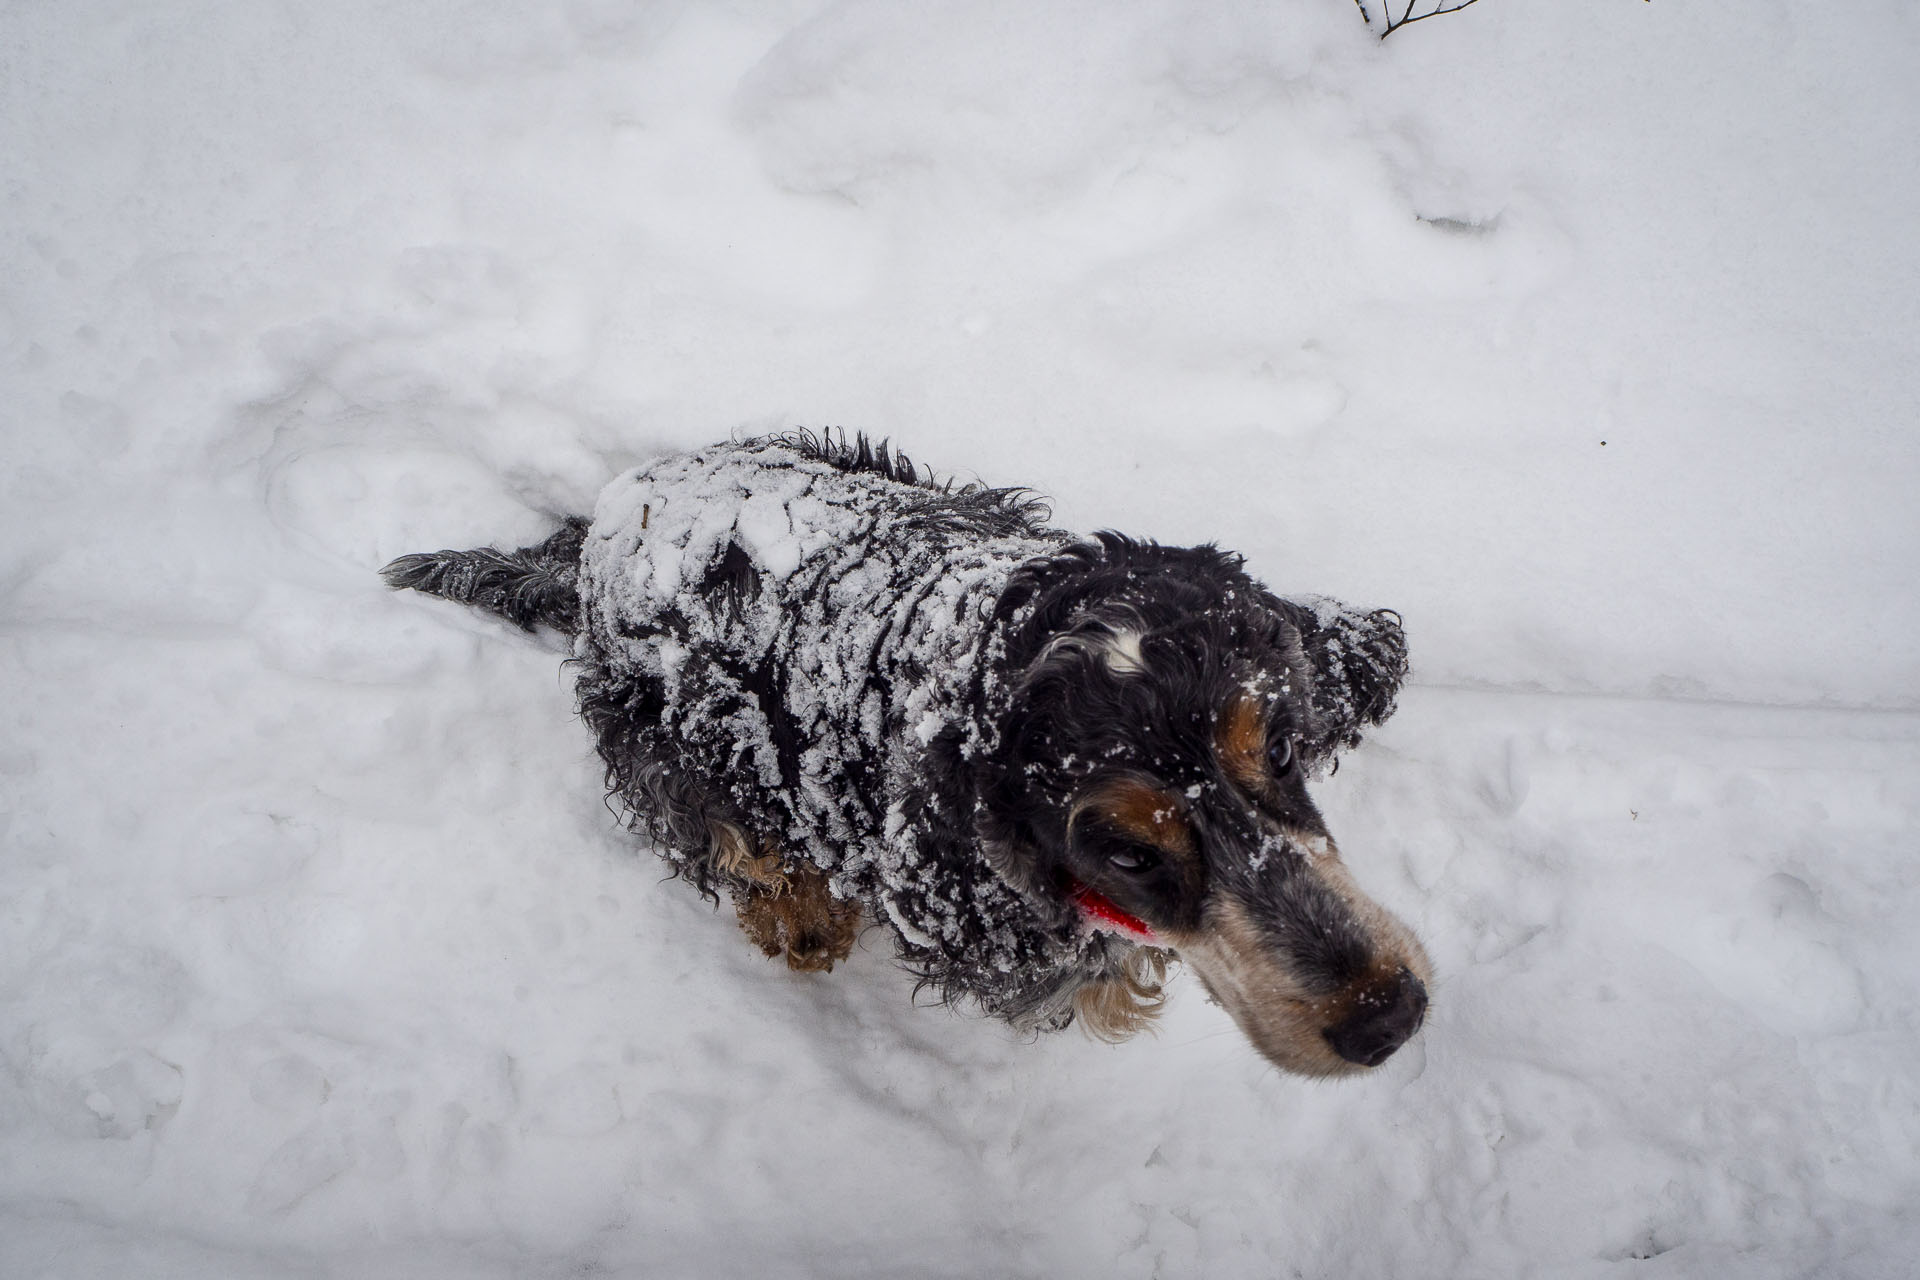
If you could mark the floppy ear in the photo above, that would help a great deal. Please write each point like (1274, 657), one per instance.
(1359, 661)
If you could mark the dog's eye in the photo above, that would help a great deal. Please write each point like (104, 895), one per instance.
(1130, 857)
(1280, 755)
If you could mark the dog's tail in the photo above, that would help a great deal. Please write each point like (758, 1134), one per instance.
(529, 587)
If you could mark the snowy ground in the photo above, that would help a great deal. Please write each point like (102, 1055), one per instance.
(1581, 333)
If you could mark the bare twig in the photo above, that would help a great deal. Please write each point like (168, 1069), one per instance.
(1407, 15)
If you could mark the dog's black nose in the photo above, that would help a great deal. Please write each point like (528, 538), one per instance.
(1382, 1019)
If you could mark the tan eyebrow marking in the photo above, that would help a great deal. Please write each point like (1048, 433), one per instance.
(1145, 812)
(1240, 740)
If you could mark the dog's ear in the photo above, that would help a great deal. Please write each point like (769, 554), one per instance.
(1359, 661)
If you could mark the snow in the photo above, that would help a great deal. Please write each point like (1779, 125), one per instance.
(319, 952)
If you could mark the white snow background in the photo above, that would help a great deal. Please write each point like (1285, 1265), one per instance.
(1582, 333)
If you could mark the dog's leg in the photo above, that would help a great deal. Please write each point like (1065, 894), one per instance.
(785, 907)
(792, 912)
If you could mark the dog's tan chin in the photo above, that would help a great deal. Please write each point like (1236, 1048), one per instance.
(1286, 1029)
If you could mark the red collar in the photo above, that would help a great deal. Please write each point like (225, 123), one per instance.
(1102, 914)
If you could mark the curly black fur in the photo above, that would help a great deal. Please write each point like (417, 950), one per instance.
(534, 586)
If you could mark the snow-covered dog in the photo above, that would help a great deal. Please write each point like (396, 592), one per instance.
(1045, 763)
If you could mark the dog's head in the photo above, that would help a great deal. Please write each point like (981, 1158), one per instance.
(1165, 714)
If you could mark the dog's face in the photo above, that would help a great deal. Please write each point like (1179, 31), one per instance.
(1155, 758)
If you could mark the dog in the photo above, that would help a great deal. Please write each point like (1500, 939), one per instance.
(841, 689)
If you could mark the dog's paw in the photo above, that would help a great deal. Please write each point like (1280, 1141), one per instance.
(799, 918)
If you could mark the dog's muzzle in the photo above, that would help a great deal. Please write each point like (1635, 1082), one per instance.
(1263, 971)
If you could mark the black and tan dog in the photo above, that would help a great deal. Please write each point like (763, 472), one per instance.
(1046, 763)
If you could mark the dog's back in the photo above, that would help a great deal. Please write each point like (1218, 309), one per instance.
(797, 631)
